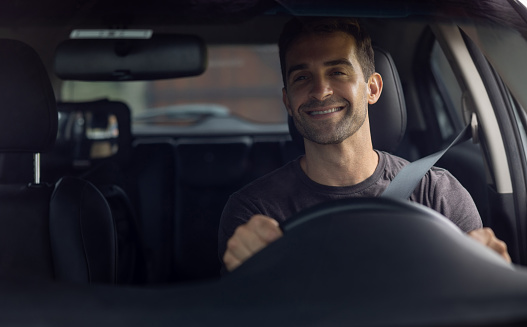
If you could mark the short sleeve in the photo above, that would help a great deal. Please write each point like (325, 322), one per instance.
(441, 191)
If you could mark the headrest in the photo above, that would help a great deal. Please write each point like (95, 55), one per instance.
(388, 115)
(28, 113)
(92, 132)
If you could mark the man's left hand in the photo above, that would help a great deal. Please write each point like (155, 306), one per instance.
(486, 237)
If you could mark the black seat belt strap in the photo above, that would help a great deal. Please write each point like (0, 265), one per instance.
(405, 182)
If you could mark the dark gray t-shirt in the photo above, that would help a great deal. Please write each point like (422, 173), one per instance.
(289, 190)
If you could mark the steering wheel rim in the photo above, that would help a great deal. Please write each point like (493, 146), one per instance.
(384, 205)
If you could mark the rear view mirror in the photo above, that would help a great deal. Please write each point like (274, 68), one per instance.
(160, 57)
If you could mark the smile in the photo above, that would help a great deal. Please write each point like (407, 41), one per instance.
(327, 111)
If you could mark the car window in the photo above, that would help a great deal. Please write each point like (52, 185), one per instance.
(445, 93)
(242, 81)
(521, 120)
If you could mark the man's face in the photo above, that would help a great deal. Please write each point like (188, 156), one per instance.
(326, 91)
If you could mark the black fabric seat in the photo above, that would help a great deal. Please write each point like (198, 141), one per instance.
(38, 238)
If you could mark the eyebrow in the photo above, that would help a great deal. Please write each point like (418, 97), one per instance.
(330, 63)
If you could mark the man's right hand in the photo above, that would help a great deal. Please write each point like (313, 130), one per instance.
(250, 238)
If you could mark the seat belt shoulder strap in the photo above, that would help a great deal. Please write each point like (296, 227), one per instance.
(405, 182)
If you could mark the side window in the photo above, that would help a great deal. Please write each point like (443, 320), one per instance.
(520, 117)
(445, 94)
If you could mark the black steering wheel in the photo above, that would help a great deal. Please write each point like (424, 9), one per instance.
(354, 207)
(368, 261)
(381, 233)
(370, 239)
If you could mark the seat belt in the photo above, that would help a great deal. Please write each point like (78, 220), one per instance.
(405, 182)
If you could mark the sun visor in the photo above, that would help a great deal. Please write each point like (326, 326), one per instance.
(130, 59)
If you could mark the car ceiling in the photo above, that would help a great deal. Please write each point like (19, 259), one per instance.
(43, 24)
(164, 12)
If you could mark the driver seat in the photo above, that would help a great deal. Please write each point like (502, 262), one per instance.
(387, 116)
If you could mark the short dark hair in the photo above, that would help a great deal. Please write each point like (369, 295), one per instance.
(300, 26)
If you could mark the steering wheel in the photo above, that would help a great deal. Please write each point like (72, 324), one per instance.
(379, 206)
(370, 260)
(365, 238)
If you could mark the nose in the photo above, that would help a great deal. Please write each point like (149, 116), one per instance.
(320, 88)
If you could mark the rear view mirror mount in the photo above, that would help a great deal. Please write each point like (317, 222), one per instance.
(162, 56)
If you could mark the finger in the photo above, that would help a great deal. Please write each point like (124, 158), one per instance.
(250, 238)
(236, 252)
(479, 235)
(482, 235)
(230, 261)
(487, 237)
(500, 247)
(242, 245)
(267, 229)
(237, 245)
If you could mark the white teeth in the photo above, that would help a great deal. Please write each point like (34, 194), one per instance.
(322, 112)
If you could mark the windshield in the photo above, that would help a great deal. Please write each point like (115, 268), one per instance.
(242, 81)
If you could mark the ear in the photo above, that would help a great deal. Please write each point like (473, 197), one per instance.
(285, 99)
(374, 88)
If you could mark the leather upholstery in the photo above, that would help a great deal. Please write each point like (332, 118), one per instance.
(107, 174)
(28, 113)
(24, 238)
(82, 233)
(78, 242)
(387, 116)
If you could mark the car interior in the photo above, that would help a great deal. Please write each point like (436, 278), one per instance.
(179, 221)
(96, 192)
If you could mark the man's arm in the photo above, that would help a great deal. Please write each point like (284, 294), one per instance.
(250, 238)
(454, 201)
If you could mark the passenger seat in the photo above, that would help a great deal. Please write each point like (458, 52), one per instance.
(38, 239)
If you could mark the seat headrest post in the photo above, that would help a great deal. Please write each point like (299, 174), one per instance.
(36, 168)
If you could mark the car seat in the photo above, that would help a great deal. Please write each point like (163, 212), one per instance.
(94, 143)
(47, 232)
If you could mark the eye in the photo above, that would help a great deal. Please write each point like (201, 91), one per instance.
(298, 78)
(338, 73)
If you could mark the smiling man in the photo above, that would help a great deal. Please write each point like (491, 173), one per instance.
(329, 81)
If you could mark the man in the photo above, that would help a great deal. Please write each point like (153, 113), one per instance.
(329, 81)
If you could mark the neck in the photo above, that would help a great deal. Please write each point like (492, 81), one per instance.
(344, 164)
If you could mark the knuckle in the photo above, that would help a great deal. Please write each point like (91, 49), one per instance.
(232, 243)
(230, 262)
(241, 231)
(270, 234)
(257, 221)
(501, 245)
(488, 231)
